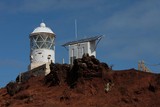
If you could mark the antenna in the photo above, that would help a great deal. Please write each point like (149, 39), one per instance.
(76, 30)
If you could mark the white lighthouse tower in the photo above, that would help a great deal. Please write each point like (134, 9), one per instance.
(42, 47)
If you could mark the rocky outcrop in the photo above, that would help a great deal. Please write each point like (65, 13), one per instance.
(88, 82)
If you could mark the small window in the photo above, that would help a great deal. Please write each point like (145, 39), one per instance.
(72, 53)
(49, 57)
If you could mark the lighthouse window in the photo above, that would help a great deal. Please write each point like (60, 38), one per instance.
(39, 44)
(48, 39)
(44, 37)
(42, 41)
(48, 44)
(51, 37)
(33, 44)
(35, 38)
(44, 46)
(52, 47)
(39, 39)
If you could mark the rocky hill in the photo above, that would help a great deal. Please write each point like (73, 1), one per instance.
(88, 83)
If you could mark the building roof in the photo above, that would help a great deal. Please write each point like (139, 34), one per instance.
(43, 28)
(94, 38)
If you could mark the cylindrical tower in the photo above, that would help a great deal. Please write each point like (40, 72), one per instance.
(42, 46)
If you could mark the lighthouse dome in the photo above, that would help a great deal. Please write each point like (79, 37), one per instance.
(43, 28)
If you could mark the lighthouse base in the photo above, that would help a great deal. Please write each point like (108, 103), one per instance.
(39, 68)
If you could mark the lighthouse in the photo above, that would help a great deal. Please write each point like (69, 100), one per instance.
(42, 47)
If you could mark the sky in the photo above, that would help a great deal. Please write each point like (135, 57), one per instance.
(130, 28)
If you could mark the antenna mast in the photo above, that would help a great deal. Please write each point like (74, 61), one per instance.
(76, 30)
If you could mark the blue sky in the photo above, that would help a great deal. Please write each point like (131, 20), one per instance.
(131, 29)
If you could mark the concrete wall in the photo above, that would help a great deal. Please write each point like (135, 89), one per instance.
(43, 69)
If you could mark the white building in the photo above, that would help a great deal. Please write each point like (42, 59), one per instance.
(42, 47)
(79, 47)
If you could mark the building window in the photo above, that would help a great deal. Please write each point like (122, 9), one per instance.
(72, 54)
(83, 51)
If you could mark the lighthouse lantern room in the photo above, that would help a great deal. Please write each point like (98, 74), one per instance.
(42, 46)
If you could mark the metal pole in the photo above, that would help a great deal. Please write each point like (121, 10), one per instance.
(76, 30)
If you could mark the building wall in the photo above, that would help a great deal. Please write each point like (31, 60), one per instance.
(41, 70)
(72, 53)
(92, 48)
(77, 50)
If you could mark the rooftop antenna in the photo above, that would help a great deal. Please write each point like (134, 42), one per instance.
(76, 30)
